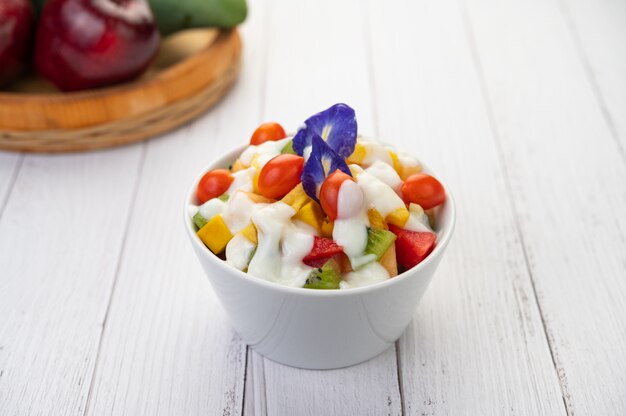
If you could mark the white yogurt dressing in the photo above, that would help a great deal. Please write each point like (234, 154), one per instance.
(211, 208)
(372, 273)
(239, 210)
(378, 194)
(263, 152)
(407, 160)
(386, 174)
(295, 244)
(375, 151)
(238, 251)
(242, 180)
(350, 229)
(281, 246)
(418, 220)
(283, 243)
(305, 228)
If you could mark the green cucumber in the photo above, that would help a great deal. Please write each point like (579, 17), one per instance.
(174, 15)
(326, 277)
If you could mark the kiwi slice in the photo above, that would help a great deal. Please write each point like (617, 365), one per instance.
(326, 277)
(378, 241)
(288, 148)
(199, 220)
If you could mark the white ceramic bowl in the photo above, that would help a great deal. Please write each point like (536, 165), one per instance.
(317, 329)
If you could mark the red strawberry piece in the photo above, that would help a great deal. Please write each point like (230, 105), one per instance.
(323, 249)
(412, 247)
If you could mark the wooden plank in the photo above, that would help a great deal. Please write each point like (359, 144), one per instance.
(333, 392)
(598, 30)
(567, 177)
(9, 167)
(477, 344)
(317, 57)
(168, 347)
(254, 400)
(60, 239)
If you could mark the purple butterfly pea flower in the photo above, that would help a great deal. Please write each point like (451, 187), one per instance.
(322, 162)
(335, 125)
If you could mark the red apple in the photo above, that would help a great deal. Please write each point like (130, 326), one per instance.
(16, 20)
(85, 44)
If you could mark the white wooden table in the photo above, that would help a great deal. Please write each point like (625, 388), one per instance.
(519, 105)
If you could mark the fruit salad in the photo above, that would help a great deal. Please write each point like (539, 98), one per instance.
(322, 209)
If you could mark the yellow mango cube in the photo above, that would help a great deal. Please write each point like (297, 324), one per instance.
(237, 166)
(256, 162)
(255, 181)
(296, 198)
(358, 155)
(257, 198)
(406, 171)
(215, 234)
(376, 219)
(327, 228)
(396, 162)
(311, 213)
(250, 233)
(399, 217)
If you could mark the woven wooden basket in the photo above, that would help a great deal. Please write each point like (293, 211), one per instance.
(193, 70)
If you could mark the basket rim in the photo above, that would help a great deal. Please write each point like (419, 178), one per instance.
(9, 98)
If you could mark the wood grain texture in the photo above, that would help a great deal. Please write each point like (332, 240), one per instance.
(476, 345)
(334, 58)
(10, 164)
(168, 348)
(518, 106)
(567, 178)
(54, 291)
(598, 30)
(370, 388)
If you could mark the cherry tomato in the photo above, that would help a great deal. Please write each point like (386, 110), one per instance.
(266, 132)
(424, 190)
(213, 184)
(280, 175)
(329, 193)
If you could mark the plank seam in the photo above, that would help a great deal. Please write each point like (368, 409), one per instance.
(399, 374)
(264, 387)
(262, 112)
(16, 170)
(264, 64)
(140, 165)
(245, 379)
(371, 76)
(369, 56)
(591, 76)
(467, 25)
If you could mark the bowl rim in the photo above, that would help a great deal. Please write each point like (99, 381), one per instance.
(443, 238)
